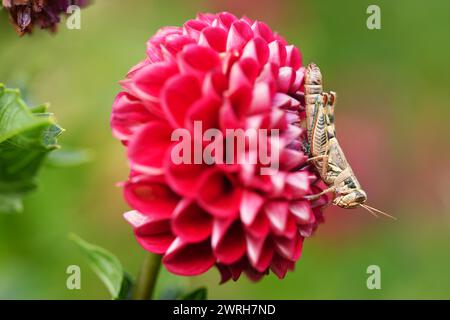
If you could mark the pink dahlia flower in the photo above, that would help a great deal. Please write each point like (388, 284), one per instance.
(228, 73)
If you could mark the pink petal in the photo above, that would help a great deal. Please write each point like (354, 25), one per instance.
(291, 229)
(237, 269)
(198, 60)
(256, 121)
(260, 29)
(148, 81)
(290, 135)
(290, 159)
(254, 275)
(226, 19)
(193, 28)
(255, 248)
(220, 195)
(298, 184)
(185, 179)
(214, 38)
(293, 117)
(256, 49)
(205, 110)
(280, 266)
(290, 249)
(228, 60)
(231, 247)
(225, 273)
(293, 57)
(278, 121)
(250, 205)
(157, 243)
(269, 74)
(137, 67)
(150, 196)
(284, 101)
(191, 223)
(277, 179)
(240, 100)
(250, 68)
(261, 183)
(277, 53)
(176, 43)
(286, 77)
(277, 212)
(228, 118)
(238, 79)
(262, 98)
(260, 227)
(146, 225)
(163, 33)
(220, 228)
(214, 85)
(206, 17)
(265, 257)
(152, 234)
(128, 115)
(179, 94)
(298, 82)
(187, 259)
(147, 150)
(306, 230)
(247, 173)
(154, 54)
(238, 36)
(302, 211)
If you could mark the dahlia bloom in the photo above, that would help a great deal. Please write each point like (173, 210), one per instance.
(25, 14)
(228, 73)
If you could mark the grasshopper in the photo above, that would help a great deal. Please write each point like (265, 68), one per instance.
(324, 150)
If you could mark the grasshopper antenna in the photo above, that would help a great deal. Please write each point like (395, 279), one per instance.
(370, 211)
(369, 208)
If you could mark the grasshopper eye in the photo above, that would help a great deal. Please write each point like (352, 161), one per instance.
(360, 196)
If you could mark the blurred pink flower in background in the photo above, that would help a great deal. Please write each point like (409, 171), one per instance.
(228, 73)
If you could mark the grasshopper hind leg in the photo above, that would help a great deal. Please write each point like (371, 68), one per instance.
(318, 195)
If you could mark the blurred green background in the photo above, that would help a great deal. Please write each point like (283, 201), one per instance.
(392, 120)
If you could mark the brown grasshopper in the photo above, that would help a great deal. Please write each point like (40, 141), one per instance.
(324, 150)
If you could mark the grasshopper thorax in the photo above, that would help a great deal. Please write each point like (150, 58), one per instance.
(350, 200)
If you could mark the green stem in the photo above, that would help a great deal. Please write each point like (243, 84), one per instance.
(146, 281)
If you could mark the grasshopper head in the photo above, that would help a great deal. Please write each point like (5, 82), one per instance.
(350, 200)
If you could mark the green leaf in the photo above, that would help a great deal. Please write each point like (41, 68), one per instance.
(27, 136)
(107, 267)
(198, 294)
(126, 287)
(10, 203)
(171, 293)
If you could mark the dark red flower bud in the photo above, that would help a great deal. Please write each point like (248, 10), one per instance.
(25, 14)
